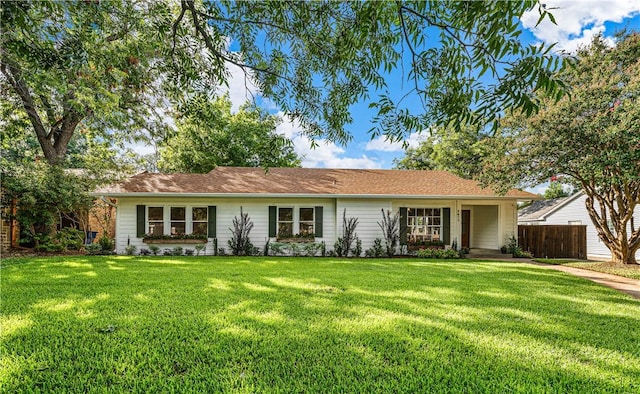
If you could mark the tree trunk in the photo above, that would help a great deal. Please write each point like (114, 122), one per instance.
(54, 137)
(612, 220)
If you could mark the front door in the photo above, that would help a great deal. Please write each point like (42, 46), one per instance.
(466, 228)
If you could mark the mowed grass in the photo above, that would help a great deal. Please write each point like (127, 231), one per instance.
(628, 271)
(187, 324)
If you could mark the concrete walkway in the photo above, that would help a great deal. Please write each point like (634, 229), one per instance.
(620, 283)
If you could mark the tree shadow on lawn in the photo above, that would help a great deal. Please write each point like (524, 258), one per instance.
(318, 326)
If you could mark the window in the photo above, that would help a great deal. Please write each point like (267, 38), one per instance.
(285, 222)
(424, 224)
(307, 222)
(199, 220)
(293, 221)
(156, 220)
(178, 222)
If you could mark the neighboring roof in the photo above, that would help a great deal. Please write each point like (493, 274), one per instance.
(538, 211)
(307, 181)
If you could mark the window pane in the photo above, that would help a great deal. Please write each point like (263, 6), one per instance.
(199, 214)
(285, 214)
(410, 212)
(155, 213)
(177, 228)
(177, 213)
(435, 221)
(156, 228)
(306, 228)
(200, 228)
(285, 229)
(306, 214)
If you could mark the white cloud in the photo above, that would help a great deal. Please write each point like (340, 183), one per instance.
(578, 21)
(241, 87)
(383, 145)
(326, 154)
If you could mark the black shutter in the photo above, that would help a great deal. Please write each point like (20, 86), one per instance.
(141, 211)
(446, 225)
(318, 226)
(272, 221)
(403, 226)
(211, 218)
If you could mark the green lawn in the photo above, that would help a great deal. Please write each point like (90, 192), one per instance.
(187, 324)
(629, 271)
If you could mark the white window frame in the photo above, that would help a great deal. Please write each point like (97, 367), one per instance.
(312, 222)
(171, 220)
(431, 232)
(295, 222)
(166, 218)
(149, 221)
(192, 221)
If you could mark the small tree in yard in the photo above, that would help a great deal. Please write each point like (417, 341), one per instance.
(390, 226)
(349, 236)
(240, 244)
(593, 138)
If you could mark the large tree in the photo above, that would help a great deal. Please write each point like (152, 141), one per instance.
(592, 137)
(458, 151)
(209, 135)
(462, 61)
(103, 65)
(102, 62)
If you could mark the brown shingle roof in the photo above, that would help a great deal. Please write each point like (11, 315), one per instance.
(315, 181)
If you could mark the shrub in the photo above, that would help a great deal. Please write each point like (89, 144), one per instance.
(154, 249)
(188, 252)
(50, 246)
(240, 244)
(349, 236)
(518, 252)
(130, 250)
(438, 254)
(200, 248)
(391, 231)
(70, 238)
(93, 249)
(311, 249)
(107, 243)
(357, 250)
(176, 251)
(144, 252)
(295, 249)
(167, 252)
(376, 250)
(512, 245)
(277, 248)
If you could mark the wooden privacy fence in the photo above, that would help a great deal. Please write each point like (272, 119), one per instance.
(554, 241)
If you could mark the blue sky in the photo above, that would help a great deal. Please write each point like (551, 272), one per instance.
(577, 22)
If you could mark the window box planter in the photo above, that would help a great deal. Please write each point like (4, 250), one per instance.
(296, 240)
(415, 247)
(188, 241)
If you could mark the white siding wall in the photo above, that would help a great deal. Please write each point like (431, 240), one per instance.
(576, 210)
(368, 212)
(484, 227)
(510, 222)
(490, 225)
(227, 209)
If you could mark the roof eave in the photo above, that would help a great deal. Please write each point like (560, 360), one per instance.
(306, 195)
